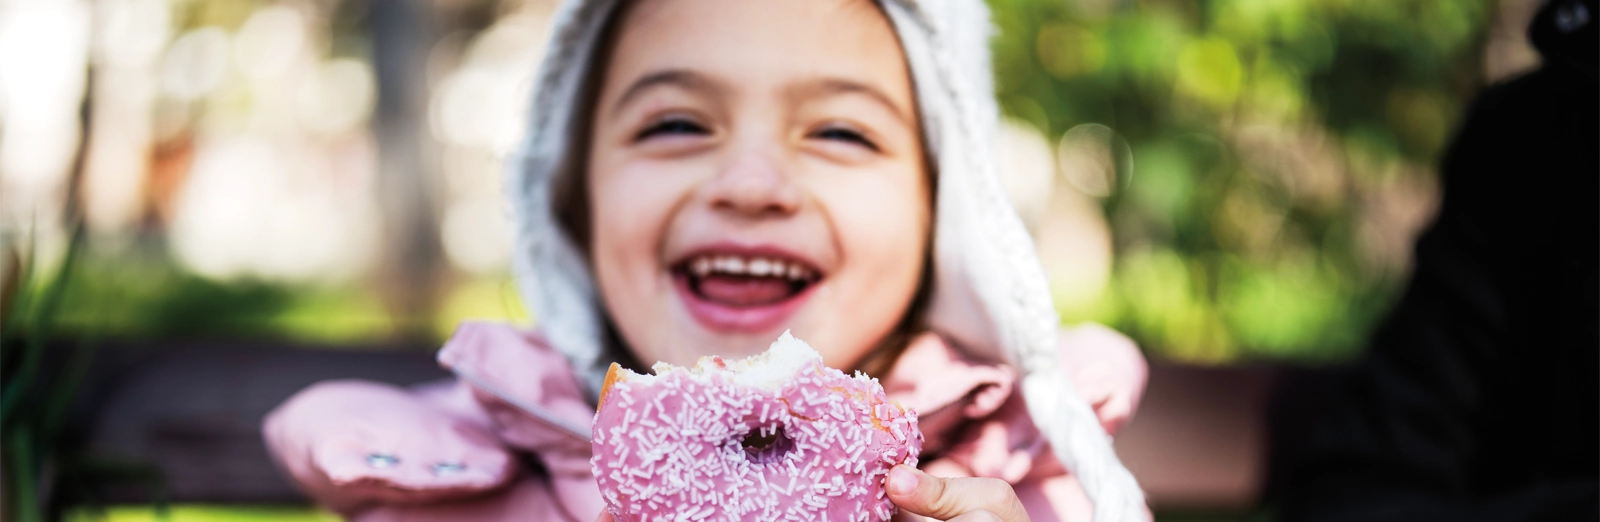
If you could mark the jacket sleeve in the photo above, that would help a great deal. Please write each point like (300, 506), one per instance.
(1412, 431)
(1476, 398)
(1396, 433)
(354, 444)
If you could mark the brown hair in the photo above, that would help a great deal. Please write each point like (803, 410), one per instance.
(570, 203)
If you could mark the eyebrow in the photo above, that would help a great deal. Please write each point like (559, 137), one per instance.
(833, 86)
(685, 79)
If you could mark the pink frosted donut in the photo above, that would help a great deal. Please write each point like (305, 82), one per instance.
(777, 436)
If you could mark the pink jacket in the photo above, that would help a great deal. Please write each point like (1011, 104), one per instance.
(476, 448)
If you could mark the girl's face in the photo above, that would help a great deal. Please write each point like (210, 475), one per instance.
(756, 167)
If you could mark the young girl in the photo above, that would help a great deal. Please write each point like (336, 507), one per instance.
(698, 177)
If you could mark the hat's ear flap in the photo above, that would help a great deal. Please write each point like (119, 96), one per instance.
(552, 272)
(990, 295)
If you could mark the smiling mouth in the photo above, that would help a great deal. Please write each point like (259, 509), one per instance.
(741, 281)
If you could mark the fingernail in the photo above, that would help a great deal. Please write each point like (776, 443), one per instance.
(902, 481)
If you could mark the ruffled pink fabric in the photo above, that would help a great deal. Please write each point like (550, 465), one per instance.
(977, 424)
(325, 437)
(509, 372)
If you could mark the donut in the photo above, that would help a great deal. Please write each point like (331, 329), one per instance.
(776, 436)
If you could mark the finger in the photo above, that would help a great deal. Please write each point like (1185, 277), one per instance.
(976, 516)
(1114, 413)
(1112, 403)
(605, 516)
(1100, 399)
(948, 498)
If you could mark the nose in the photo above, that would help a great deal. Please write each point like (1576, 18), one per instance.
(754, 182)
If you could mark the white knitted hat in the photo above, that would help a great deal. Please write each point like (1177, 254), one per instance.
(990, 295)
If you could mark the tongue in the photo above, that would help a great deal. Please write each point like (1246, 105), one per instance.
(744, 291)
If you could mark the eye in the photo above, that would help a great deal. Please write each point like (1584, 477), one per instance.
(845, 134)
(671, 126)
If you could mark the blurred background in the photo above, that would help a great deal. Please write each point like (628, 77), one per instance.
(1234, 183)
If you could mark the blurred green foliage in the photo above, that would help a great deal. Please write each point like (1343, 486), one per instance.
(204, 513)
(37, 394)
(138, 292)
(1268, 139)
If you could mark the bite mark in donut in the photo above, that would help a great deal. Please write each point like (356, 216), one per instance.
(777, 436)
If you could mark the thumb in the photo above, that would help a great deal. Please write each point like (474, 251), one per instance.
(949, 498)
(605, 516)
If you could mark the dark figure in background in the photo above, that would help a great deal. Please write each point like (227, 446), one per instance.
(1478, 398)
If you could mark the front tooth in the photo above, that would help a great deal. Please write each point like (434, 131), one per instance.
(701, 266)
(759, 267)
(734, 265)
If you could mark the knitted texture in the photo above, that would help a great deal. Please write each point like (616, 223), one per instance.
(990, 296)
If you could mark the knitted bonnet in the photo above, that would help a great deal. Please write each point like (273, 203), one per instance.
(990, 296)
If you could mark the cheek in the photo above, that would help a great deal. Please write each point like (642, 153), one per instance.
(881, 226)
(631, 204)
(880, 229)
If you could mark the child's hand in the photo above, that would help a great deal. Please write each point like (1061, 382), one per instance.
(954, 499)
(1107, 370)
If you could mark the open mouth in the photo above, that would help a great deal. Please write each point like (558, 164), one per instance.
(741, 281)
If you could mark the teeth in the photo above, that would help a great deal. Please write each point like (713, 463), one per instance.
(756, 267)
(759, 267)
